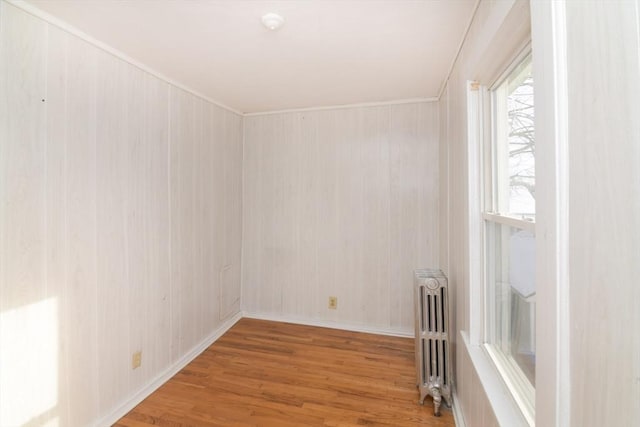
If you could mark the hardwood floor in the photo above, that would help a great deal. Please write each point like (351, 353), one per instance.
(264, 373)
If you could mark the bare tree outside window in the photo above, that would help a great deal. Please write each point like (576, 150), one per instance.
(522, 181)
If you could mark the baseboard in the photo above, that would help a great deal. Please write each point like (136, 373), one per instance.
(132, 401)
(329, 324)
(458, 417)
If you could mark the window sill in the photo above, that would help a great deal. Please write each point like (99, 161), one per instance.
(504, 406)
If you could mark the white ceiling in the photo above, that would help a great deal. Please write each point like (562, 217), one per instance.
(329, 52)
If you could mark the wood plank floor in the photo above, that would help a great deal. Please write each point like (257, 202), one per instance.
(264, 373)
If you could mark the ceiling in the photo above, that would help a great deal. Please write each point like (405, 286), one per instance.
(328, 52)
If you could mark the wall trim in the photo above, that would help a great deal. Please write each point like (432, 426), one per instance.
(344, 106)
(445, 82)
(504, 406)
(553, 326)
(458, 416)
(38, 13)
(562, 207)
(329, 324)
(133, 400)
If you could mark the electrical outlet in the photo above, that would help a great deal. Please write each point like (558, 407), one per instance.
(333, 303)
(136, 360)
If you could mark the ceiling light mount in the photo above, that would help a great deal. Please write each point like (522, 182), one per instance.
(272, 21)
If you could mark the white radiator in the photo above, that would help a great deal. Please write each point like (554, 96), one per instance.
(433, 364)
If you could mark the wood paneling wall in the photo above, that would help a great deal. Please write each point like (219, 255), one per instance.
(340, 202)
(120, 224)
(603, 59)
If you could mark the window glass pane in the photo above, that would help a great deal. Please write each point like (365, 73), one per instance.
(522, 146)
(511, 296)
(515, 144)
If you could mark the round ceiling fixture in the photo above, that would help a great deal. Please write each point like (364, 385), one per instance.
(272, 21)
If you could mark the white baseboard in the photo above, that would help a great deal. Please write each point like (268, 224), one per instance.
(330, 324)
(132, 401)
(458, 416)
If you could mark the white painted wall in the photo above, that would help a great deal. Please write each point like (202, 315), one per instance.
(120, 207)
(340, 202)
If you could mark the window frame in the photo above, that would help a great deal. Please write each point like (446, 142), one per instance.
(482, 121)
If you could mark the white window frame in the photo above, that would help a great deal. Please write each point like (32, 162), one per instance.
(521, 389)
(548, 35)
(505, 374)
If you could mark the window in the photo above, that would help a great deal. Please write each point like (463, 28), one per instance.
(509, 211)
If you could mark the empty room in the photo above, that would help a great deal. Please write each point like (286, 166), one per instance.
(320, 213)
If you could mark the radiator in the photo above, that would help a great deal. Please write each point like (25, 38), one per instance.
(433, 366)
